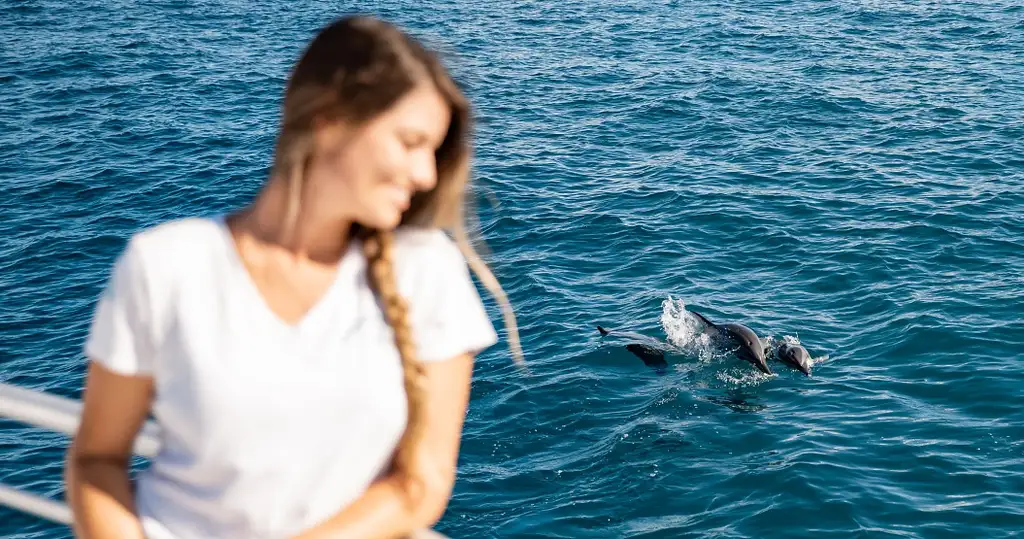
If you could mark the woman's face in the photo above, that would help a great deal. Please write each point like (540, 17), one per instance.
(369, 174)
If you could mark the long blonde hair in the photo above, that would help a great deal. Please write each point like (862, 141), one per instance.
(353, 70)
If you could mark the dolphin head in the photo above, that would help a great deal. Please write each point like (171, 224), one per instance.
(795, 355)
(750, 347)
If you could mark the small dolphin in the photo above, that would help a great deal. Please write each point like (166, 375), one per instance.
(750, 347)
(652, 353)
(794, 355)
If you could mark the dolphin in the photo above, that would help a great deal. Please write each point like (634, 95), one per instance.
(794, 355)
(750, 347)
(650, 350)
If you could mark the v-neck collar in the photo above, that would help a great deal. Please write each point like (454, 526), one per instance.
(239, 269)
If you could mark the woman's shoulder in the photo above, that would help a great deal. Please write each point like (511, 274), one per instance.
(428, 259)
(426, 244)
(180, 234)
(446, 311)
(137, 303)
(171, 246)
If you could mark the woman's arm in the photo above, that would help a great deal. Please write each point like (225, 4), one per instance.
(384, 510)
(96, 468)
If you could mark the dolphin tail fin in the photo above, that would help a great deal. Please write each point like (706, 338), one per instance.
(602, 331)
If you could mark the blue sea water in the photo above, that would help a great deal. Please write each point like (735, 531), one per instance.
(849, 174)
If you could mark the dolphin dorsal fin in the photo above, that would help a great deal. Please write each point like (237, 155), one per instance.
(702, 318)
(602, 331)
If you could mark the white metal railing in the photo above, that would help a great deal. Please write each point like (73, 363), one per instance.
(61, 414)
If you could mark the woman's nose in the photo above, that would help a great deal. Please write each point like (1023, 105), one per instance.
(423, 171)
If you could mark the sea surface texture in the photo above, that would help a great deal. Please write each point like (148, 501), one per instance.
(845, 174)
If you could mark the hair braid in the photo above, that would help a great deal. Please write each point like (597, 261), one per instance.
(378, 248)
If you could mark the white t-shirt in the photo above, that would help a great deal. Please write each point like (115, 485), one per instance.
(269, 428)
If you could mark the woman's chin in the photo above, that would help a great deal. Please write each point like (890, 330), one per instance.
(383, 220)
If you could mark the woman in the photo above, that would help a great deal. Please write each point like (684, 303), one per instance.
(308, 359)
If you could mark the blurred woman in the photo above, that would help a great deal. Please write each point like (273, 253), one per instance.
(308, 357)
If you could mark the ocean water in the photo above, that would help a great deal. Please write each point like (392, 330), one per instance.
(846, 174)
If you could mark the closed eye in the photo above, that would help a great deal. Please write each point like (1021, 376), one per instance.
(412, 142)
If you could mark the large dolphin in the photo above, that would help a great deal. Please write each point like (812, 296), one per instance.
(750, 347)
(794, 355)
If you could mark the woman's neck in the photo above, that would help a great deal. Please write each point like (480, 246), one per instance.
(313, 237)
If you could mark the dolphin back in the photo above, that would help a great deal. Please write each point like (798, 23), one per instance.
(744, 333)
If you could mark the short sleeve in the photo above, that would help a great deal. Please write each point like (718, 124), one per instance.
(119, 336)
(449, 317)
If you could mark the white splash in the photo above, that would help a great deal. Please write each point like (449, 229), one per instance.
(680, 327)
(686, 331)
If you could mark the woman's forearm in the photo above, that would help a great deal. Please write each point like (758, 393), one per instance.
(100, 496)
(386, 510)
